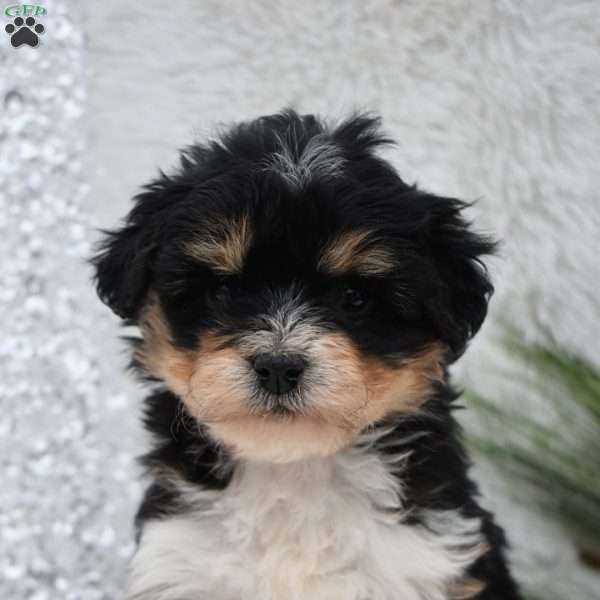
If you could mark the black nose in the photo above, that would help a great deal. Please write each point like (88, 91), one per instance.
(278, 373)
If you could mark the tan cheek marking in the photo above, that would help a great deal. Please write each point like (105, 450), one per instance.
(158, 356)
(341, 392)
(190, 375)
(349, 252)
(218, 384)
(403, 388)
(222, 246)
(357, 391)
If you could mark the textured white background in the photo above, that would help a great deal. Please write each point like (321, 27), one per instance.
(495, 101)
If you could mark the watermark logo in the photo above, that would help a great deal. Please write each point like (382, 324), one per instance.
(24, 29)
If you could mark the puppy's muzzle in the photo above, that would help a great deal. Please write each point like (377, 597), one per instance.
(278, 373)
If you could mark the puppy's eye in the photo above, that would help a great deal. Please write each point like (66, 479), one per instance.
(222, 286)
(353, 300)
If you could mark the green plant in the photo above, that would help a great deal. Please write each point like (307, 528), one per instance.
(547, 438)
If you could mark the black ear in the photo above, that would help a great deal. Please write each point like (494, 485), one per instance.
(125, 257)
(460, 294)
(123, 268)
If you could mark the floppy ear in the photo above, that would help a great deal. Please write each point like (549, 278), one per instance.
(459, 297)
(125, 258)
(123, 268)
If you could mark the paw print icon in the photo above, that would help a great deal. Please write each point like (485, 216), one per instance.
(24, 31)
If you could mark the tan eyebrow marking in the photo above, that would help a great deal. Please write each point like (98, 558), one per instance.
(352, 251)
(222, 245)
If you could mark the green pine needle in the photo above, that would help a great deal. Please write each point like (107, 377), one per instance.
(552, 455)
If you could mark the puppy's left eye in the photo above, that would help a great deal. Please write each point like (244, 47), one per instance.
(222, 287)
(353, 300)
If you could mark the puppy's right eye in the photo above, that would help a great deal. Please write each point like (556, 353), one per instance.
(222, 286)
(353, 300)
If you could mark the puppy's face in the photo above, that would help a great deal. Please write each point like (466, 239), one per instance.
(292, 290)
(279, 354)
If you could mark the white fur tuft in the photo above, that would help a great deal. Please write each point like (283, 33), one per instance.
(321, 157)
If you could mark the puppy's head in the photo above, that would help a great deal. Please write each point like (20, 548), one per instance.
(291, 289)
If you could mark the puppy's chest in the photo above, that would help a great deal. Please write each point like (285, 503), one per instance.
(328, 529)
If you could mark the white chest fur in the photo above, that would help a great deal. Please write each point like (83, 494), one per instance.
(322, 529)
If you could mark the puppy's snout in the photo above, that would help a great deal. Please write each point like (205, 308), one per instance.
(278, 373)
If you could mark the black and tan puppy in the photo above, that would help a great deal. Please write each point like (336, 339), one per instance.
(299, 305)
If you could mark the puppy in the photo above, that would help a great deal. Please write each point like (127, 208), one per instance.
(299, 305)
